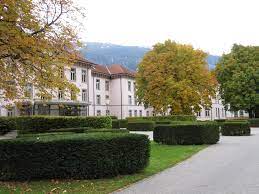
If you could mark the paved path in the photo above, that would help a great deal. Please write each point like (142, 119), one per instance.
(229, 167)
(10, 135)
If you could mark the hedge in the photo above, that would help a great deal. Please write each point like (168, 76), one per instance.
(119, 123)
(254, 122)
(165, 118)
(235, 129)
(187, 133)
(107, 130)
(77, 156)
(143, 125)
(73, 130)
(44, 123)
(7, 124)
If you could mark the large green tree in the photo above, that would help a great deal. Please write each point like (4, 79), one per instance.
(38, 39)
(175, 77)
(238, 76)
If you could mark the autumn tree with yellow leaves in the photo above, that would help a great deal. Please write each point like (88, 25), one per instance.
(175, 77)
(38, 39)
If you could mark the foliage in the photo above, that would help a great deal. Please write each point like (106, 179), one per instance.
(254, 122)
(235, 128)
(119, 123)
(38, 39)
(166, 118)
(6, 125)
(77, 156)
(141, 125)
(36, 124)
(238, 76)
(187, 133)
(183, 82)
(162, 157)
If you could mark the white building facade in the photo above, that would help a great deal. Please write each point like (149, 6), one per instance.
(104, 90)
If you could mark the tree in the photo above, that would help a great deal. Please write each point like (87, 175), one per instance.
(238, 76)
(175, 77)
(38, 39)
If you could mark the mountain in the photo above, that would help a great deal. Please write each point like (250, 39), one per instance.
(129, 56)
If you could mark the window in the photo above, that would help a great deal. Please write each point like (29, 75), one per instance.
(98, 113)
(135, 113)
(60, 94)
(84, 95)
(98, 99)
(241, 113)
(10, 112)
(235, 114)
(222, 112)
(135, 100)
(107, 85)
(153, 113)
(83, 75)
(73, 74)
(198, 114)
(140, 113)
(130, 100)
(129, 85)
(207, 112)
(147, 113)
(130, 113)
(72, 95)
(134, 85)
(98, 83)
(107, 112)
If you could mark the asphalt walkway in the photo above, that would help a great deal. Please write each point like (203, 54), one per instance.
(229, 167)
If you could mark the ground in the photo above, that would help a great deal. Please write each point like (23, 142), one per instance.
(162, 157)
(231, 166)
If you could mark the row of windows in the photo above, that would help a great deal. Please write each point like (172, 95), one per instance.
(140, 113)
(130, 100)
(208, 112)
(98, 85)
(130, 87)
(73, 95)
(73, 75)
(99, 112)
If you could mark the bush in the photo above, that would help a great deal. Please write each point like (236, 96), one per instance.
(73, 130)
(114, 117)
(107, 130)
(44, 123)
(166, 118)
(77, 156)
(115, 124)
(235, 129)
(254, 122)
(123, 123)
(141, 125)
(162, 122)
(7, 124)
(187, 133)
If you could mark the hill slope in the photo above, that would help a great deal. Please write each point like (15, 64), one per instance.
(129, 56)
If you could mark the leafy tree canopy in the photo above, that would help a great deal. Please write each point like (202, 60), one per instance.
(38, 39)
(238, 76)
(175, 76)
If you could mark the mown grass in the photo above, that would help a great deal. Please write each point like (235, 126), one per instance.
(162, 157)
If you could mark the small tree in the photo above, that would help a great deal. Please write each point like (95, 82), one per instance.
(238, 76)
(38, 39)
(175, 77)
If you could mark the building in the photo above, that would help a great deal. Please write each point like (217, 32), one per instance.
(104, 90)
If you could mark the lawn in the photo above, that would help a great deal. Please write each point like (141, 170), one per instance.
(162, 157)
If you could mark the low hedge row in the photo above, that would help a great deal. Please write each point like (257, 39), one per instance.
(74, 156)
(235, 128)
(44, 123)
(187, 133)
(166, 118)
(141, 125)
(7, 124)
(254, 122)
(119, 123)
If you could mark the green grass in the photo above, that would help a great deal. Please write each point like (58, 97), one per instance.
(162, 157)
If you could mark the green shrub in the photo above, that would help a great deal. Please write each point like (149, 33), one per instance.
(76, 156)
(73, 130)
(114, 117)
(123, 123)
(107, 130)
(254, 122)
(7, 124)
(44, 123)
(162, 122)
(115, 124)
(187, 133)
(139, 125)
(235, 128)
(165, 118)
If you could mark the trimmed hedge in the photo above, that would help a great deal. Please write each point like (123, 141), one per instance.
(7, 124)
(76, 156)
(121, 123)
(254, 122)
(45, 123)
(187, 133)
(115, 124)
(235, 129)
(166, 118)
(107, 130)
(162, 122)
(143, 125)
(73, 130)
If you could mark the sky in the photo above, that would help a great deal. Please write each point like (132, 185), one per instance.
(211, 25)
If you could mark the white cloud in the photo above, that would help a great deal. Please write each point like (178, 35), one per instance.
(212, 25)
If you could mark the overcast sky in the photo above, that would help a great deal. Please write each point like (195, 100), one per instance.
(211, 25)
